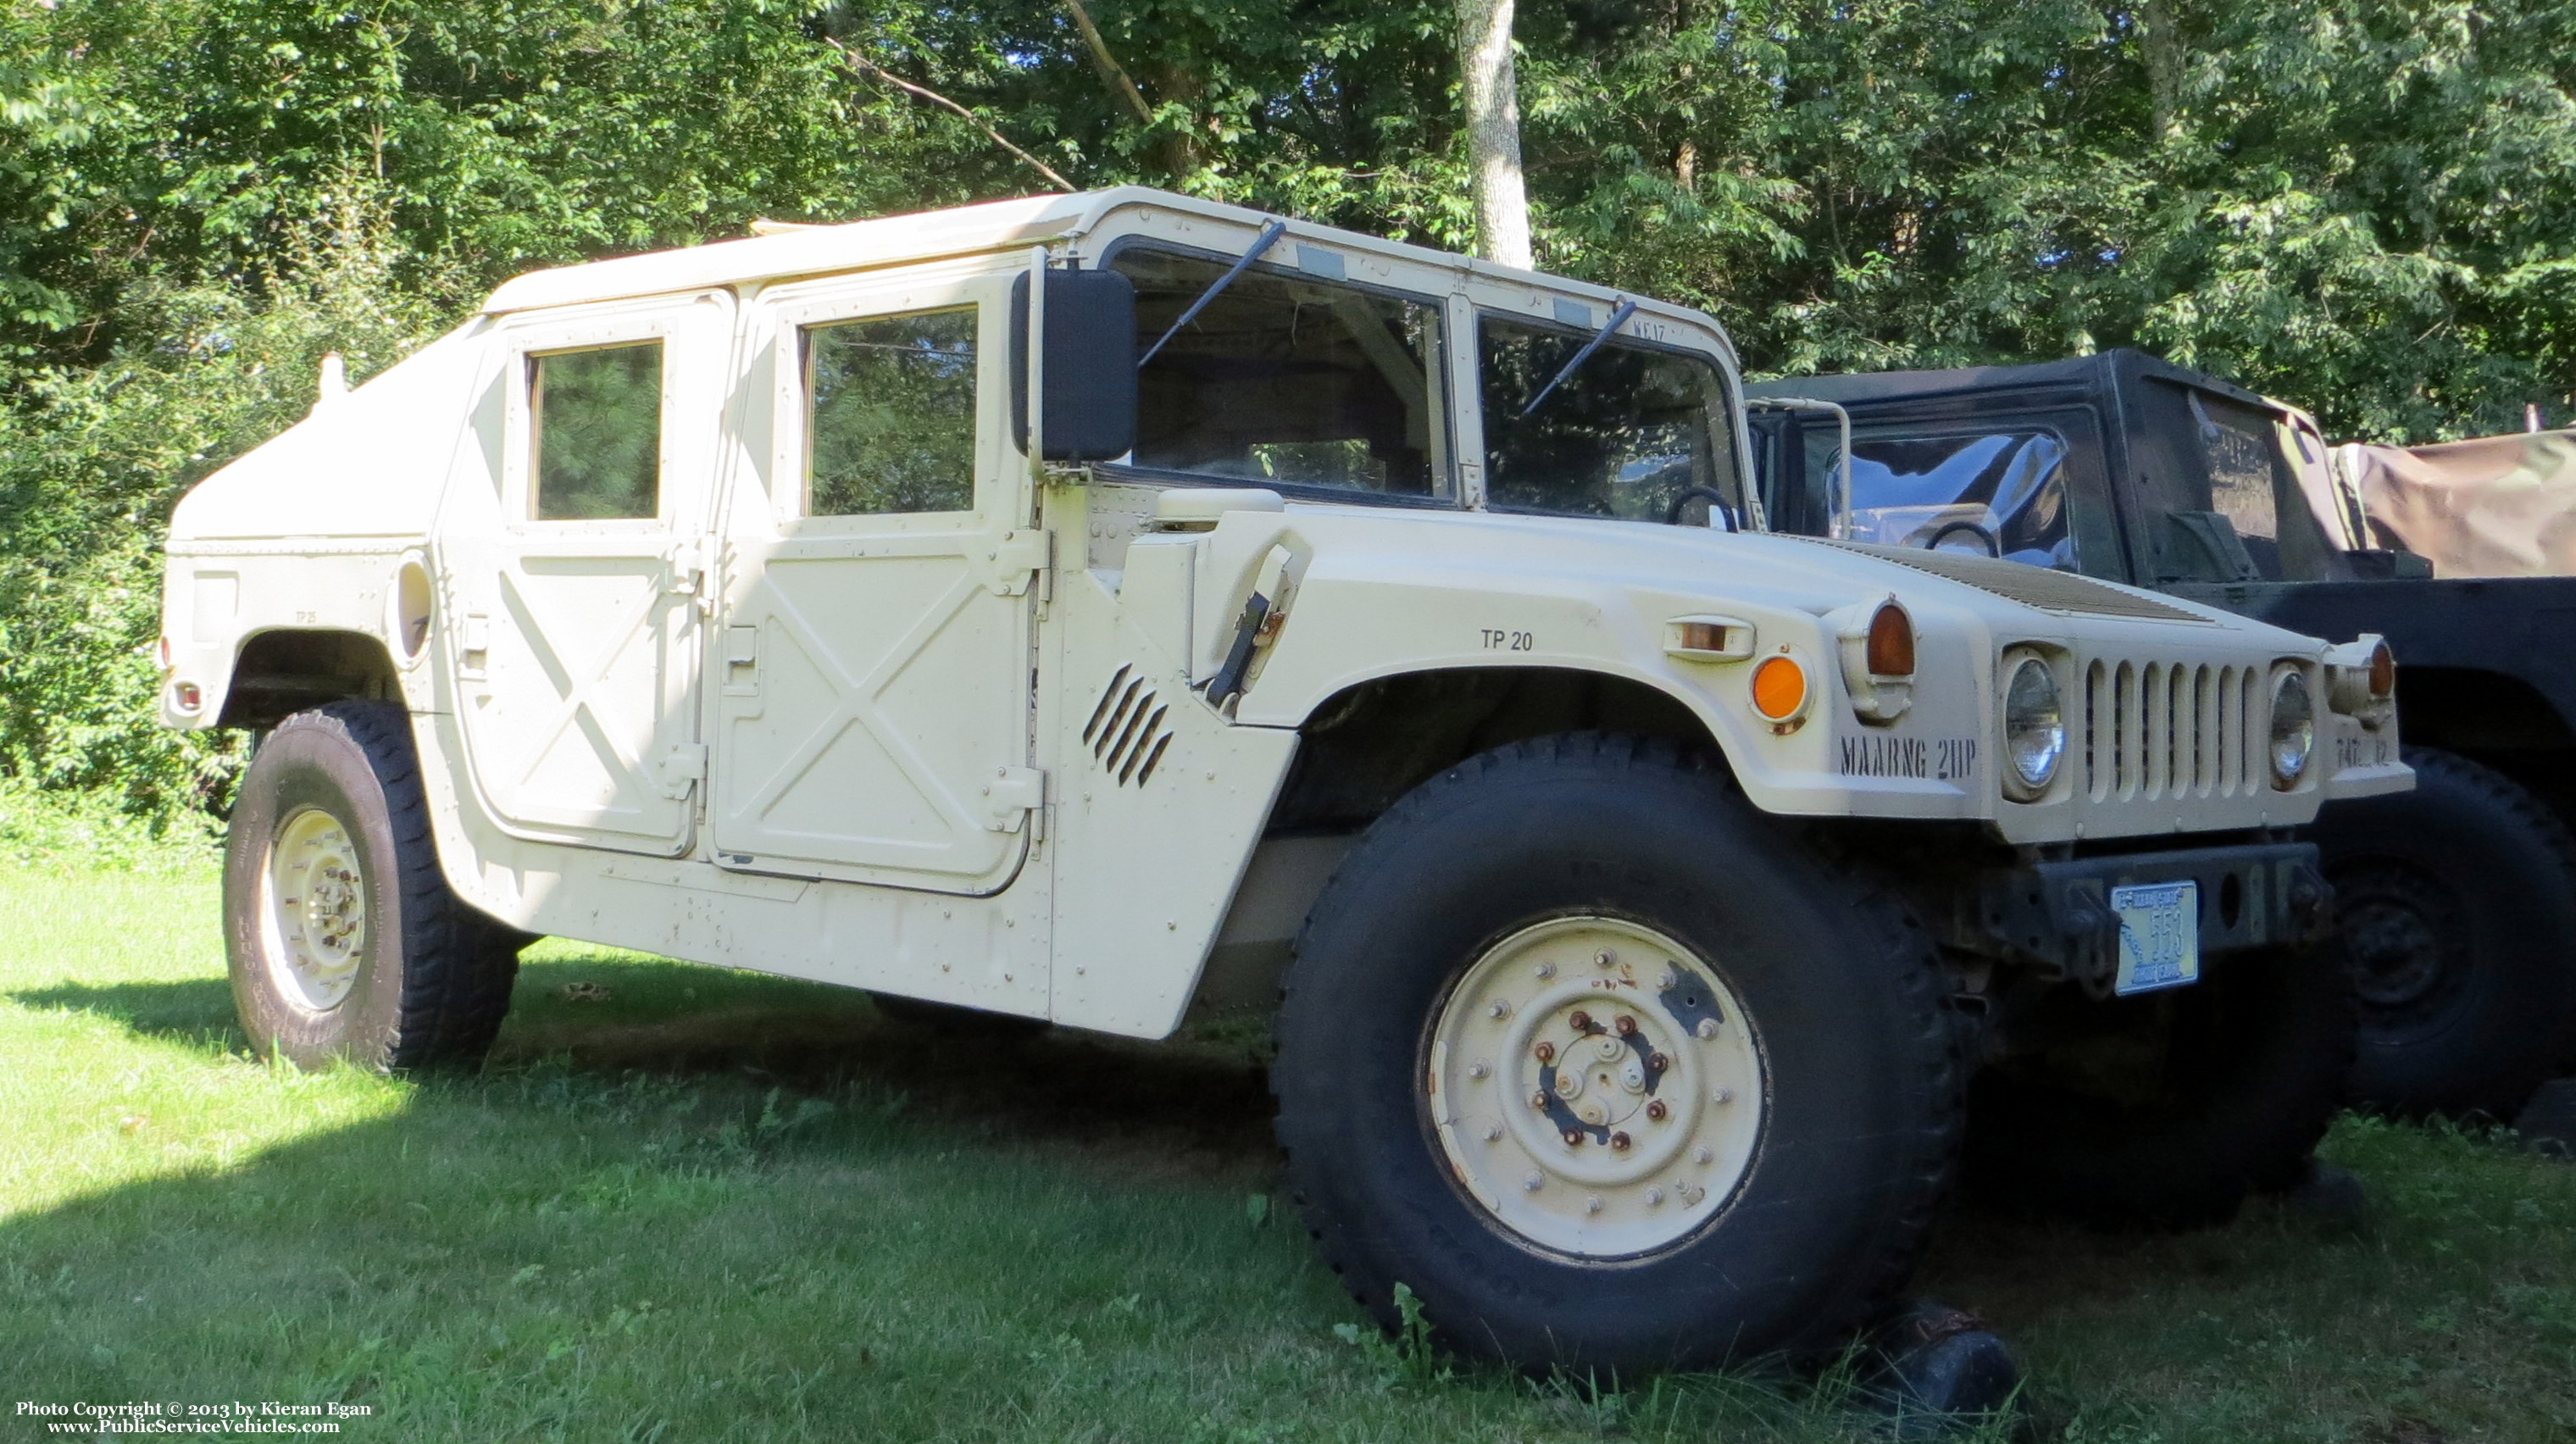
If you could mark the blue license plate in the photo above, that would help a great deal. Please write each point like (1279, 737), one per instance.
(2159, 936)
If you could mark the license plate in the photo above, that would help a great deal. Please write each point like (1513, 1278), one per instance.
(2159, 936)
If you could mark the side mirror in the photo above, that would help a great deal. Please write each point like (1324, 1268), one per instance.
(1089, 370)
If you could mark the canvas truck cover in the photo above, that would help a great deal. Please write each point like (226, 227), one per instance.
(2491, 506)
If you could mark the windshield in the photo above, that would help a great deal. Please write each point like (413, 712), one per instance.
(1999, 492)
(1635, 432)
(1286, 379)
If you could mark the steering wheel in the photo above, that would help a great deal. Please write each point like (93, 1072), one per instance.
(1716, 503)
(1987, 544)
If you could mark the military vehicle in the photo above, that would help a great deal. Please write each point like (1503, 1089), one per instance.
(1089, 608)
(2458, 899)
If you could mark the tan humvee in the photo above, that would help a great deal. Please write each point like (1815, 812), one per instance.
(1654, 883)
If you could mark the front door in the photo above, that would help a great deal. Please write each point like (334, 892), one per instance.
(577, 617)
(872, 675)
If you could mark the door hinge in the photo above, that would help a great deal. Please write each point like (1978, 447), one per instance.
(680, 768)
(1010, 795)
(1014, 558)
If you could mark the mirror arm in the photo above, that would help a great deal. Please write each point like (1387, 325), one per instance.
(1840, 526)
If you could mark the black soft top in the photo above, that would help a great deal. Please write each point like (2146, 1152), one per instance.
(2094, 371)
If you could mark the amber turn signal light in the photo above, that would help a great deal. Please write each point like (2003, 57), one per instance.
(2383, 671)
(1779, 689)
(1891, 642)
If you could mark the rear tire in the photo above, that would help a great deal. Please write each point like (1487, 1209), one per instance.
(2457, 907)
(2167, 1109)
(343, 937)
(1759, 1165)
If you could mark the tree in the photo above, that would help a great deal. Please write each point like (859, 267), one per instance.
(1490, 88)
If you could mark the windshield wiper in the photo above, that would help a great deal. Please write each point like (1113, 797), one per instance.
(1618, 317)
(1270, 235)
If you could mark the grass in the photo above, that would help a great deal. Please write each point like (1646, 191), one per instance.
(716, 1206)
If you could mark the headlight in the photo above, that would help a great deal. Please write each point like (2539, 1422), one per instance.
(2034, 728)
(2294, 729)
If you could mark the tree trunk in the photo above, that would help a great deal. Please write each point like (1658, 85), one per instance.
(1491, 90)
(2160, 37)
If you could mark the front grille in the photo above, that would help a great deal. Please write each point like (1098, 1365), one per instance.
(2157, 730)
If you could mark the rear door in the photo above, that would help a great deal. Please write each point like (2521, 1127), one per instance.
(874, 672)
(576, 618)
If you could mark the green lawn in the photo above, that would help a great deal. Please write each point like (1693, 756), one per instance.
(715, 1206)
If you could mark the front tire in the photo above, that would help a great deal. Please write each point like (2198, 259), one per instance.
(1749, 1161)
(343, 938)
(2457, 908)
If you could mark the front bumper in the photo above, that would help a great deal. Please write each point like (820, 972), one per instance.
(2058, 915)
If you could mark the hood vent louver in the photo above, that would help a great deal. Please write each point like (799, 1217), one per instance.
(2032, 586)
(1126, 732)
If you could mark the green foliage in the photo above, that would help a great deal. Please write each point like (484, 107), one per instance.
(2366, 206)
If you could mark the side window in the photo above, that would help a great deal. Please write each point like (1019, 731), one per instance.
(597, 432)
(2236, 449)
(1631, 432)
(890, 414)
(1996, 493)
(1283, 378)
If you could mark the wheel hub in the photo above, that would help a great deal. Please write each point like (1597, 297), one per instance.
(1596, 1088)
(316, 916)
(2397, 934)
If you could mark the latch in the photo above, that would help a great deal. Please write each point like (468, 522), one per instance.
(1015, 557)
(1010, 795)
(474, 647)
(689, 576)
(683, 766)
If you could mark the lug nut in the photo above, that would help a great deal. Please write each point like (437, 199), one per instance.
(1581, 1020)
(1625, 1024)
(1656, 1110)
(1574, 1137)
(1619, 1141)
(1701, 1155)
(1531, 1183)
(1545, 1050)
(1658, 1062)
(1493, 1133)
(1654, 1195)
(1475, 1070)
(1724, 1095)
(1539, 1102)
(1707, 1029)
(1499, 1010)
(1592, 1203)
(1546, 971)
(1605, 958)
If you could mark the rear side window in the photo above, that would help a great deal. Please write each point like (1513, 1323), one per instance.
(1633, 432)
(1288, 379)
(597, 432)
(1995, 493)
(890, 422)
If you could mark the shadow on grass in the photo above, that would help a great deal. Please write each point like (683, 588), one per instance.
(1201, 1109)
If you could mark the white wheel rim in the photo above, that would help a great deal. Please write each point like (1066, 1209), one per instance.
(316, 913)
(1636, 1178)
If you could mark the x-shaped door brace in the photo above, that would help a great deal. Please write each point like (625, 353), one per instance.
(858, 704)
(577, 700)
